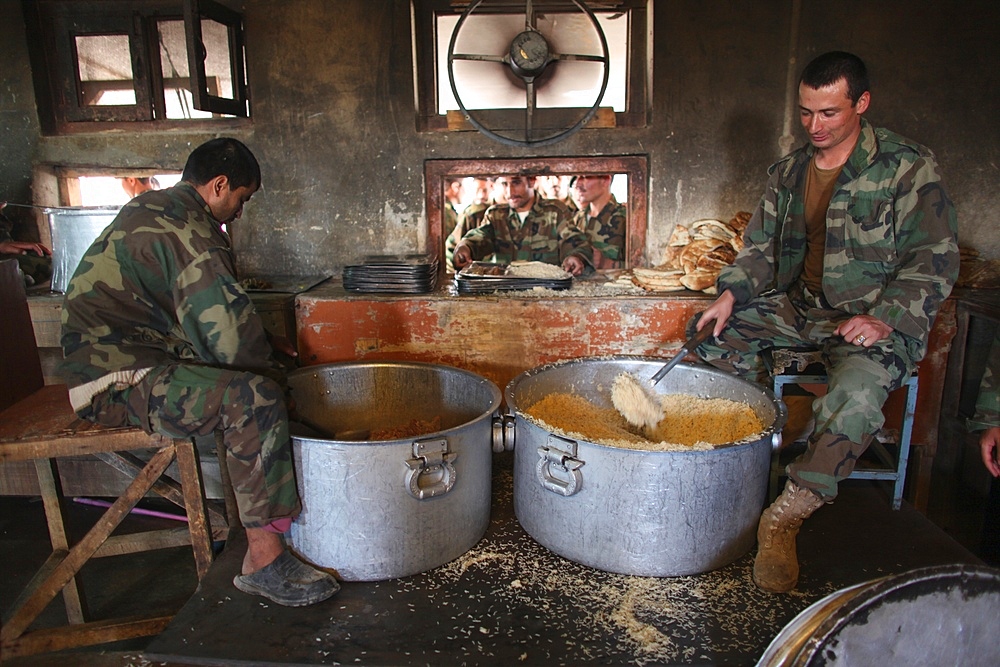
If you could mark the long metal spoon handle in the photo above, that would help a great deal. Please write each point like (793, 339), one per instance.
(692, 344)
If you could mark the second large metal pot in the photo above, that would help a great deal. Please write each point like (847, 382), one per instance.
(659, 513)
(383, 509)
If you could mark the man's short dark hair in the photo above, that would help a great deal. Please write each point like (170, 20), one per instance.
(827, 69)
(224, 156)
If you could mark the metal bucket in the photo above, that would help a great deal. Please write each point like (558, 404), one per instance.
(941, 615)
(73, 230)
(659, 514)
(382, 509)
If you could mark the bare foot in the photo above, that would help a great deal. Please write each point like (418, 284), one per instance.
(263, 547)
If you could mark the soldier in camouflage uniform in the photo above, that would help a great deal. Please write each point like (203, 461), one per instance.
(851, 251)
(158, 333)
(987, 416)
(987, 419)
(602, 219)
(473, 216)
(527, 227)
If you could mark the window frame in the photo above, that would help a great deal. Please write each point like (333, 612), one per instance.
(638, 102)
(53, 25)
(636, 167)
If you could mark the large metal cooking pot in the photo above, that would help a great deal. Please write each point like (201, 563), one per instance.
(939, 615)
(661, 513)
(377, 510)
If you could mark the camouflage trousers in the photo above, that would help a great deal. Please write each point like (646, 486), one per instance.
(859, 378)
(182, 401)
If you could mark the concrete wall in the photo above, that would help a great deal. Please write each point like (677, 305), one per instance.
(334, 121)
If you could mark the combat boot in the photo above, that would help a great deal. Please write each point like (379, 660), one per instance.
(776, 568)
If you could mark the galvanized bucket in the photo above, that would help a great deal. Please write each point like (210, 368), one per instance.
(647, 513)
(381, 509)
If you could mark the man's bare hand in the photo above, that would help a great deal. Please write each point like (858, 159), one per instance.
(573, 264)
(462, 256)
(720, 311)
(989, 443)
(863, 330)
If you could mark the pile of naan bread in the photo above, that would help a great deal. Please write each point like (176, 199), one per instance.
(695, 255)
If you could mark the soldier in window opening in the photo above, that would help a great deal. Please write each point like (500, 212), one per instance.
(987, 419)
(852, 250)
(471, 217)
(158, 333)
(136, 185)
(602, 219)
(453, 189)
(527, 227)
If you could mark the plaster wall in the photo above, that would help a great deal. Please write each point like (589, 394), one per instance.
(334, 123)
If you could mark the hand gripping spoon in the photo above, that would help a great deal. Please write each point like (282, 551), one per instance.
(636, 400)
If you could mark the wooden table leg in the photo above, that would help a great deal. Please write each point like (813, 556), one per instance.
(194, 502)
(52, 499)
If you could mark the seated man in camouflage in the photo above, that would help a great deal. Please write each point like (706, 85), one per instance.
(527, 227)
(851, 251)
(158, 333)
(602, 219)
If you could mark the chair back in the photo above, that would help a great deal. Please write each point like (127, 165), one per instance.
(20, 367)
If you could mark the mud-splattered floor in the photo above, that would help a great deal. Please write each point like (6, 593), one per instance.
(510, 601)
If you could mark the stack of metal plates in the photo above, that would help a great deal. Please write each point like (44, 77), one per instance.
(393, 274)
(485, 278)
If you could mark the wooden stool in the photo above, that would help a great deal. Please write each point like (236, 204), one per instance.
(804, 367)
(44, 428)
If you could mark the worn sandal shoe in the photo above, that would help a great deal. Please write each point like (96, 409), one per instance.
(288, 582)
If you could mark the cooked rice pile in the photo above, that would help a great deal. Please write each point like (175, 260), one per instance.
(688, 422)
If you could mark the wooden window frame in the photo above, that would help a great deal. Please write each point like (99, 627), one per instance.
(53, 25)
(636, 167)
(638, 101)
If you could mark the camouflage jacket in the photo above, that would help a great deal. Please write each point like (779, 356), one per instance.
(159, 286)
(547, 234)
(605, 231)
(988, 402)
(471, 217)
(891, 248)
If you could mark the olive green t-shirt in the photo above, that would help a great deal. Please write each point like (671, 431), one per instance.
(817, 193)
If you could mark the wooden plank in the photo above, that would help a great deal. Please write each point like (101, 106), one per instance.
(86, 634)
(164, 538)
(48, 482)
(129, 464)
(194, 502)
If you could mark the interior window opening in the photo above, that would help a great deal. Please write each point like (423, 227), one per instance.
(457, 187)
(118, 190)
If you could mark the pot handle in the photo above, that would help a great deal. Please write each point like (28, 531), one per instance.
(430, 457)
(503, 433)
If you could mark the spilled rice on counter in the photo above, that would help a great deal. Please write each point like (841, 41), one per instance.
(688, 422)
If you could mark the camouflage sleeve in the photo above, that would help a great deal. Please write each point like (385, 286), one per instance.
(482, 240)
(753, 270)
(988, 402)
(926, 239)
(573, 241)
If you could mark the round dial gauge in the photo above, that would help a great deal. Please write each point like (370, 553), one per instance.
(529, 53)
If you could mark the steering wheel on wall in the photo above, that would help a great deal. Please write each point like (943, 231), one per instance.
(528, 57)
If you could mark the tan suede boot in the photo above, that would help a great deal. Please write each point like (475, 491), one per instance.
(776, 568)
